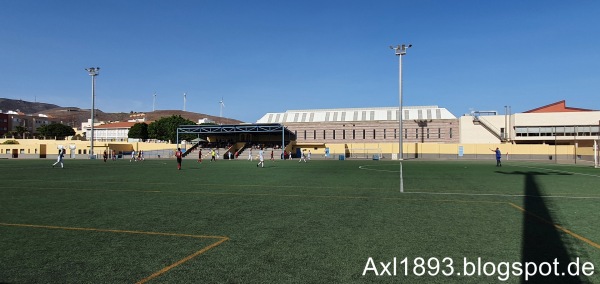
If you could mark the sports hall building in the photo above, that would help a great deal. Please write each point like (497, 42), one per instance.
(553, 130)
(364, 132)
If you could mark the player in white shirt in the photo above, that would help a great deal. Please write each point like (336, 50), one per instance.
(302, 157)
(261, 158)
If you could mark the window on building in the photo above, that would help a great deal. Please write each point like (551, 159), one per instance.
(304, 134)
(314, 134)
(417, 133)
(364, 133)
(427, 133)
(546, 131)
(570, 131)
(384, 133)
(353, 134)
(405, 133)
(344, 134)
(324, 136)
(583, 131)
(439, 133)
(395, 135)
(373, 133)
(334, 134)
(450, 132)
(533, 131)
(521, 131)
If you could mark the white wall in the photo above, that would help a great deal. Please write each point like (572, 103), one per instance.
(476, 134)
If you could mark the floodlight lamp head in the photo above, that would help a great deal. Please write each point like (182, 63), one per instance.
(93, 71)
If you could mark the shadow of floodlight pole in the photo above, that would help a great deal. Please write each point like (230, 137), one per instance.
(541, 242)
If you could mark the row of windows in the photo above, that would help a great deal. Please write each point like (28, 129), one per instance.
(357, 115)
(22, 151)
(115, 131)
(354, 134)
(588, 130)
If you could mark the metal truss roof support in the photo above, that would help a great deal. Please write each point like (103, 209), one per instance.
(234, 129)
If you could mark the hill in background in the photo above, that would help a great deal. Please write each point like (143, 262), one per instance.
(24, 106)
(74, 116)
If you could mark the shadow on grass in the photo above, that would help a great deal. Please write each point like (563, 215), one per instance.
(541, 241)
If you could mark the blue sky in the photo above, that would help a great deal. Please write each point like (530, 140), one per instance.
(271, 56)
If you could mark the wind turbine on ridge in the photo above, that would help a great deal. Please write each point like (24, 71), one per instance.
(222, 106)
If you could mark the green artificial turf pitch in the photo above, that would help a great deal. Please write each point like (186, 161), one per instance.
(291, 222)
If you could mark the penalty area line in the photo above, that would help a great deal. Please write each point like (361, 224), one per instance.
(220, 240)
(559, 227)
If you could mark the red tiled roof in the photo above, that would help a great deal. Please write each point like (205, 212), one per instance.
(560, 106)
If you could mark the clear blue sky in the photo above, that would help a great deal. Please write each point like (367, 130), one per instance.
(271, 56)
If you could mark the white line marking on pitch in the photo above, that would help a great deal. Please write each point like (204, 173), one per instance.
(369, 169)
(558, 171)
(502, 195)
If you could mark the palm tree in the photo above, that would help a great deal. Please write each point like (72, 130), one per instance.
(21, 130)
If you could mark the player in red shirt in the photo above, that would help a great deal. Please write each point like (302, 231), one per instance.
(178, 155)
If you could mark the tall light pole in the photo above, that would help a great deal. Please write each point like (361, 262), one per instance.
(505, 123)
(93, 71)
(400, 51)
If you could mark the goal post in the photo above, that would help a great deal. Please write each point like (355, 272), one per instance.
(364, 153)
(597, 154)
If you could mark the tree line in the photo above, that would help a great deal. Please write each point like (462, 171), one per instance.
(163, 129)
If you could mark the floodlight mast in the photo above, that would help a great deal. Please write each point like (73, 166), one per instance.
(400, 51)
(93, 71)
